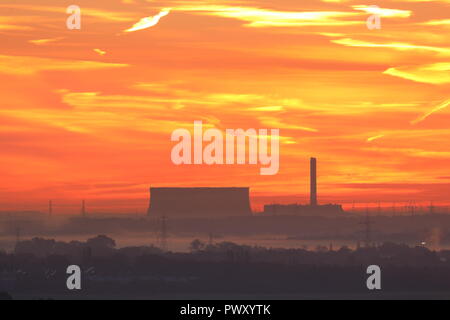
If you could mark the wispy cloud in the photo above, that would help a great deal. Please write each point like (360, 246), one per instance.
(436, 73)
(382, 12)
(14, 27)
(39, 42)
(100, 52)
(87, 12)
(278, 123)
(442, 22)
(439, 107)
(393, 45)
(412, 152)
(375, 137)
(148, 22)
(15, 23)
(25, 65)
(257, 17)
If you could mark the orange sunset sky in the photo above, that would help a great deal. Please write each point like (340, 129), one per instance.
(88, 114)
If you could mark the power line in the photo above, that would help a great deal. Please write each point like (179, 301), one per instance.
(162, 234)
(367, 230)
(83, 209)
(50, 208)
(17, 235)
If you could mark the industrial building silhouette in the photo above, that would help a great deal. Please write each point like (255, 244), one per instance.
(208, 202)
(199, 202)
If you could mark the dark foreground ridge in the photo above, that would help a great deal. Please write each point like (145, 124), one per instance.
(37, 269)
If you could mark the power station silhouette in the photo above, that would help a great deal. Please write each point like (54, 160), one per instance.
(199, 202)
(210, 202)
(313, 208)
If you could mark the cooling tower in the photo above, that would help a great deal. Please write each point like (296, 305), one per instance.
(199, 202)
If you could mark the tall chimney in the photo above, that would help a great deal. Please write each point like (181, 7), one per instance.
(313, 182)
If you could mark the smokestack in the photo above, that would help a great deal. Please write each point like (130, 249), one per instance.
(313, 182)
